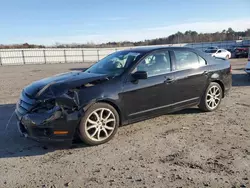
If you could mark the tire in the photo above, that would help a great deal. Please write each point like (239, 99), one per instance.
(98, 117)
(210, 98)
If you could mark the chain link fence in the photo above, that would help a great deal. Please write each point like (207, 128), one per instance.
(52, 55)
(80, 55)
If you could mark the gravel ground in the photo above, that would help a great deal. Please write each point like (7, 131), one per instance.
(184, 149)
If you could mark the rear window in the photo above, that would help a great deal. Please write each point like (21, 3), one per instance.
(188, 60)
(202, 61)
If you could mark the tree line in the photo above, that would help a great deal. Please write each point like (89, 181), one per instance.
(179, 37)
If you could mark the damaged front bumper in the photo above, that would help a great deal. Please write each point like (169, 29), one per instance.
(50, 126)
(56, 124)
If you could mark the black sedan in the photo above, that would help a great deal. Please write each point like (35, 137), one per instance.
(125, 87)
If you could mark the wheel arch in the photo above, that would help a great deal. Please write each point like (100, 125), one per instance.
(113, 104)
(221, 85)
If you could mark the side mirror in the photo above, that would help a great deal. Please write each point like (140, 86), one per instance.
(140, 75)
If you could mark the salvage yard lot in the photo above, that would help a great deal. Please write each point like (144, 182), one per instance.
(184, 149)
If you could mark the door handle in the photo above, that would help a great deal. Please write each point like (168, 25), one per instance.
(169, 80)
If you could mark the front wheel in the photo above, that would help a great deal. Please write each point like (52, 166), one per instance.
(99, 124)
(211, 99)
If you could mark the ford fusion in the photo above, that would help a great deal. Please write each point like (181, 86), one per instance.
(125, 87)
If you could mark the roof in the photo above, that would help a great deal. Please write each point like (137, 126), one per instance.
(147, 49)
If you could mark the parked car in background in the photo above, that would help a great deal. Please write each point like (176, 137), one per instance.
(212, 48)
(241, 52)
(247, 69)
(125, 87)
(231, 49)
(221, 53)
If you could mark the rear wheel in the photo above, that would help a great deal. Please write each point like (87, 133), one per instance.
(99, 124)
(211, 99)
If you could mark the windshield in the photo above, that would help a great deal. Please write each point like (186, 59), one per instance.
(115, 64)
(210, 51)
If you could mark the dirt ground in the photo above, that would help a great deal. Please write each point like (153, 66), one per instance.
(184, 149)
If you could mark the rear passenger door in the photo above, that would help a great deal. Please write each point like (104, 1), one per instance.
(190, 76)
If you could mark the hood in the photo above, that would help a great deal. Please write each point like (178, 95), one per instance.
(61, 82)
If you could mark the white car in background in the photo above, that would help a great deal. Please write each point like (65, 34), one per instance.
(221, 53)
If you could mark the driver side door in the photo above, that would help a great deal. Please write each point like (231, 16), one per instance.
(148, 97)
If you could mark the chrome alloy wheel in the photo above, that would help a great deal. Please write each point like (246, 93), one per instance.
(100, 124)
(213, 97)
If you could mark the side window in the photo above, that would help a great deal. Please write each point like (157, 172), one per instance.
(202, 61)
(219, 51)
(186, 60)
(155, 64)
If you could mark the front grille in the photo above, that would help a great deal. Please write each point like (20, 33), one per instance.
(25, 104)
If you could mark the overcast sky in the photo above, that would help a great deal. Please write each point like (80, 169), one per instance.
(80, 21)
